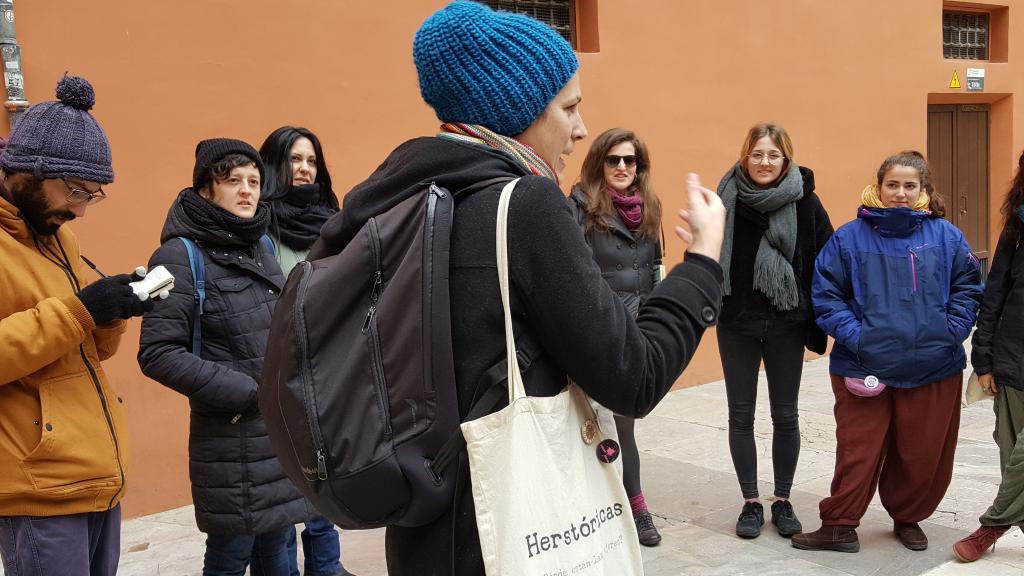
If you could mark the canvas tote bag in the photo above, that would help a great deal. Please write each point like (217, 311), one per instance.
(547, 480)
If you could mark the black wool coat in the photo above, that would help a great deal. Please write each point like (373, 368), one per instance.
(628, 263)
(557, 296)
(238, 486)
(998, 344)
(747, 304)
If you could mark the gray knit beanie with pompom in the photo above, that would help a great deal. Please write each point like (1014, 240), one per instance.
(61, 139)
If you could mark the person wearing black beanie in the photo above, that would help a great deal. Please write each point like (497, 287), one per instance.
(213, 354)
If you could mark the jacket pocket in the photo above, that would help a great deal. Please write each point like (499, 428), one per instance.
(237, 294)
(75, 450)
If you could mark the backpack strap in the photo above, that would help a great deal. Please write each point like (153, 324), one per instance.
(482, 184)
(197, 263)
(269, 245)
(495, 382)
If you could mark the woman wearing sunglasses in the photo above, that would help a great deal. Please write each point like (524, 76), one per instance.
(621, 219)
(775, 227)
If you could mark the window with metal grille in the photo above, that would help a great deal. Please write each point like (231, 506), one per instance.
(965, 35)
(559, 14)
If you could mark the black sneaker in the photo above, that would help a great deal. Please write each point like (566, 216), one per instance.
(645, 529)
(785, 519)
(751, 520)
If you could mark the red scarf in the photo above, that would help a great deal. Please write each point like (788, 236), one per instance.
(630, 208)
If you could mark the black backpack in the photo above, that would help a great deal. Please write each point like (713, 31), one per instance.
(358, 386)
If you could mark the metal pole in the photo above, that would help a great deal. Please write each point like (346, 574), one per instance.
(10, 52)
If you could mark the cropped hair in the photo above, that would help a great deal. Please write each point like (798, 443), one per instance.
(221, 169)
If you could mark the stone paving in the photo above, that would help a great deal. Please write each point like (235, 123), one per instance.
(691, 488)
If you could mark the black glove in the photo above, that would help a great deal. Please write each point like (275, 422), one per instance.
(112, 298)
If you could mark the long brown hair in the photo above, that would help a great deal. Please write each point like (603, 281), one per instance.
(916, 160)
(600, 209)
(1011, 206)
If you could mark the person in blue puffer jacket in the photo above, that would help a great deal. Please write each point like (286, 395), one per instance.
(899, 290)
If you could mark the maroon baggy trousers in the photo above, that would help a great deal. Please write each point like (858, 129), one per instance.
(902, 441)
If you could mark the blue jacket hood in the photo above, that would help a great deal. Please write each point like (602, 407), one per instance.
(894, 222)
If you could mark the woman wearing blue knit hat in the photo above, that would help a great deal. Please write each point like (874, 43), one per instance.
(506, 90)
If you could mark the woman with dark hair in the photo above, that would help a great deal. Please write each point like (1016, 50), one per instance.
(997, 354)
(213, 354)
(899, 290)
(620, 215)
(299, 194)
(775, 228)
(297, 190)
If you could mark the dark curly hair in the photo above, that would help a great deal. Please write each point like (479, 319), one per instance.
(1012, 223)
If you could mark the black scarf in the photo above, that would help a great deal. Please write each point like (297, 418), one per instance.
(208, 215)
(299, 216)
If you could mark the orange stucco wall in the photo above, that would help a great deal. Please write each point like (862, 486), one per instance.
(850, 81)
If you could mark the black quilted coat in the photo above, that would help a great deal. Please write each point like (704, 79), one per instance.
(628, 264)
(237, 483)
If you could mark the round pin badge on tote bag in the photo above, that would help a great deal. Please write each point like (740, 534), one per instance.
(534, 455)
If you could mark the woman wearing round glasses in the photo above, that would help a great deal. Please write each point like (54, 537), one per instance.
(621, 219)
(775, 227)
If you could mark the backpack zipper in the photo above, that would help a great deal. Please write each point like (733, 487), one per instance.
(307, 386)
(370, 326)
(377, 275)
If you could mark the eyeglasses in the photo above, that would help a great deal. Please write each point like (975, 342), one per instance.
(78, 195)
(612, 161)
(774, 158)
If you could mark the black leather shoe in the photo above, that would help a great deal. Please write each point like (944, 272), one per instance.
(785, 519)
(645, 529)
(750, 521)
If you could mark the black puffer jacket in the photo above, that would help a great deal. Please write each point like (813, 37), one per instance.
(629, 264)
(557, 295)
(746, 303)
(237, 483)
(998, 343)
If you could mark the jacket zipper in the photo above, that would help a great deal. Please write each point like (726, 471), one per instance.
(106, 414)
(913, 268)
(307, 386)
(99, 392)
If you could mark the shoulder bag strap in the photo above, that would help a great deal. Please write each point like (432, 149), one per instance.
(197, 263)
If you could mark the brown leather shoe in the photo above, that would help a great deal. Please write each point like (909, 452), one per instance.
(911, 535)
(837, 538)
(971, 548)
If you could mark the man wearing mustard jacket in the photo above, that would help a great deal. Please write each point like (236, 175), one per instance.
(62, 427)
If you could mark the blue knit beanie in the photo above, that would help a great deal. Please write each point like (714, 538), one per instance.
(497, 69)
(60, 139)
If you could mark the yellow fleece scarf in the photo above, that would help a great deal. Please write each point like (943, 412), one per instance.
(870, 198)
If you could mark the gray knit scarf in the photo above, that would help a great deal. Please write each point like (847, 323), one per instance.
(773, 265)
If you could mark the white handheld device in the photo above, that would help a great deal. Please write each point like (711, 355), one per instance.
(156, 281)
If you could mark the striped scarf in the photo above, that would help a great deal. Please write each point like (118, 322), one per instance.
(476, 134)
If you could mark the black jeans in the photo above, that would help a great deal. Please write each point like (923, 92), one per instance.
(781, 347)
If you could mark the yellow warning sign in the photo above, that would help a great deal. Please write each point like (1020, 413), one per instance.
(954, 82)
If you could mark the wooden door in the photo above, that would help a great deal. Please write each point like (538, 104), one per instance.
(958, 151)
